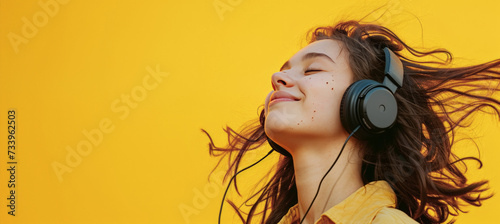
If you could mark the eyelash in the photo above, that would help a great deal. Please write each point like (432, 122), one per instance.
(312, 70)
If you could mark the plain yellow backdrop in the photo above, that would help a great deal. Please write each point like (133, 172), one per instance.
(129, 84)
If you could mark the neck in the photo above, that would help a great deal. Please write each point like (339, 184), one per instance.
(311, 164)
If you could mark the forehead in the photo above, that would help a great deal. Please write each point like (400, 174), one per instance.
(332, 48)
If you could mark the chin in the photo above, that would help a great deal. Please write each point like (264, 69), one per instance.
(276, 122)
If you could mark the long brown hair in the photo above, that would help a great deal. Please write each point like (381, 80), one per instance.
(415, 156)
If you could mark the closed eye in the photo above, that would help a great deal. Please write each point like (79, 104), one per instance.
(312, 70)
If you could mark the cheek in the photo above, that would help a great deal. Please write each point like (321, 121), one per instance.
(322, 97)
(266, 102)
(321, 88)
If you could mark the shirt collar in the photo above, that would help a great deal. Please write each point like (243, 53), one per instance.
(360, 207)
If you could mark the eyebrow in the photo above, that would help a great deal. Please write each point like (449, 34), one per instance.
(308, 56)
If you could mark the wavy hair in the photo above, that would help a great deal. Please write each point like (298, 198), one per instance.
(415, 156)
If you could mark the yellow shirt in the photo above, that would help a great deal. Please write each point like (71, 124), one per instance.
(372, 203)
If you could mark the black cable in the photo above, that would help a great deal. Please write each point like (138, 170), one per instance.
(222, 203)
(331, 167)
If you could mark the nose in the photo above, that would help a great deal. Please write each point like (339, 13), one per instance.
(281, 79)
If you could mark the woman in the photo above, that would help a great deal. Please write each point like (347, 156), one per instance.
(408, 173)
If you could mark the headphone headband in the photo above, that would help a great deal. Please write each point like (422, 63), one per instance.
(393, 71)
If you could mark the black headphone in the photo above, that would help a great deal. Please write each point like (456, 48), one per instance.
(368, 103)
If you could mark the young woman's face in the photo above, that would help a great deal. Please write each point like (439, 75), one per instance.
(308, 89)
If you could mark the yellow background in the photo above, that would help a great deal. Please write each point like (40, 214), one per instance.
(72, 73)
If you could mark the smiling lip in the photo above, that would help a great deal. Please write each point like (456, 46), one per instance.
(279, 100)
(281, 96)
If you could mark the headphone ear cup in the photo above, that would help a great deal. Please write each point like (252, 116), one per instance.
(351, 115)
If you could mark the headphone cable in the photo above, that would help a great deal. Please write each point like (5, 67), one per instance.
(227, 188)
(317, 191)
(331, 167)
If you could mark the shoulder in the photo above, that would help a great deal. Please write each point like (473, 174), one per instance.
(392, 215)
(292, 216)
